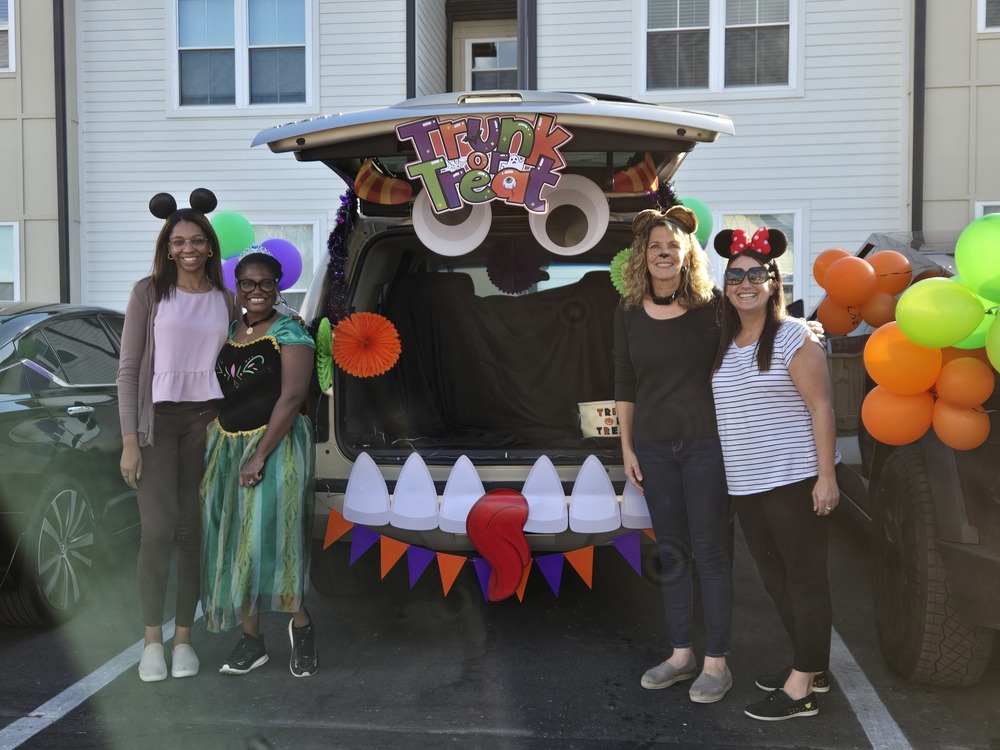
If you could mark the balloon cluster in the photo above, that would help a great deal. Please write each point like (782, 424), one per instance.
(236, 234)
(931, 352)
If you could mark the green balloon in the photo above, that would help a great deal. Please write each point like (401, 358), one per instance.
(993, 344)
(977, 256)
(704, 219)
(235, 233)
(977, 339)
(938, 312)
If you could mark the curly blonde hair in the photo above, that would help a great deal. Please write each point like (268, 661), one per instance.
(696, 282)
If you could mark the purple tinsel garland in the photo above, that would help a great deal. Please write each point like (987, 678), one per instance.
(336, 298)
(664, 197)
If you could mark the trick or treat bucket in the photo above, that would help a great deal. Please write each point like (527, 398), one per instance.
(598, 419)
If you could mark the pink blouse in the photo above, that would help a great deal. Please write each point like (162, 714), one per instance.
(188, 332)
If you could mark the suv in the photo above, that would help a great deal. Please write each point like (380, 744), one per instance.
(484, 230)
(933, 512)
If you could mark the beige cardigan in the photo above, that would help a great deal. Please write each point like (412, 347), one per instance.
(135, 368)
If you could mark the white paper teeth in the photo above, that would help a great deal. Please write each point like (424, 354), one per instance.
(463, 489)
(635, 512)
(366, 499)
(414, 503)
(546, 499)
(593, 505)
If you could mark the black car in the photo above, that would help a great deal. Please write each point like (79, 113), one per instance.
(62, 498)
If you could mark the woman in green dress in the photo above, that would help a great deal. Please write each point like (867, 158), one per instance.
(258, 483)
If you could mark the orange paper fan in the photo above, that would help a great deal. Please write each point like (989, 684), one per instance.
(365, 344)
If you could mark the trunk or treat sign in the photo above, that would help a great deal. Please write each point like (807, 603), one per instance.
(480, 159)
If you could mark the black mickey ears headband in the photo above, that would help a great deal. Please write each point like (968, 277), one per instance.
(162, 205)
(765, 243)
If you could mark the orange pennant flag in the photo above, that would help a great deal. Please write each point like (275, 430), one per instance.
(524, 581)
(449, 567)
(391, 550)
(649, 533)
(582, 561)
(336, 527)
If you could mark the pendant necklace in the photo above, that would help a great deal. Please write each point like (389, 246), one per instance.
(258, 322)
(665, 300)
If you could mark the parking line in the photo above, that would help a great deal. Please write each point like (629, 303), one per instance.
(882, 730)
(49, 713)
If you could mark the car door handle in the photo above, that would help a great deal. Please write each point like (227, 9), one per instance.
(77, 411)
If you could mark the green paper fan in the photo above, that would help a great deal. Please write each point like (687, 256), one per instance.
(324, 355)
(616, 270)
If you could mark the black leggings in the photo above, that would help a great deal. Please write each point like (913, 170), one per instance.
(170, 509)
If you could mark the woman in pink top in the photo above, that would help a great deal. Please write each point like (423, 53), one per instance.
(175, 324)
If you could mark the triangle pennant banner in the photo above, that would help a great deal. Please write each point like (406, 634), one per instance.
(418, 559)
(362, 538)
(524, 581)
(628, 546)
(391, 551)
(551, 567)
(483, 571)
(336, 527)
(649, 533)
(582, 561)
(449, 567)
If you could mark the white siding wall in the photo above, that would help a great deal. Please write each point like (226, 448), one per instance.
(133, 146)
(432, 37)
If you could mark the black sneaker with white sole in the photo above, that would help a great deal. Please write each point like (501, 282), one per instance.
(771, 682)
(248, 654)
(304, 660)
(778, 707)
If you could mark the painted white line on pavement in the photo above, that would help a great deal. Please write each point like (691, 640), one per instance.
(52, 711)
(882, 730)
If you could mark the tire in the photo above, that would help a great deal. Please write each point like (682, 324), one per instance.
(55, 558)
(332, 574)
(921, 633)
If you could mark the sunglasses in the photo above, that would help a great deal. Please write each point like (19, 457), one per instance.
(248, 285)
(757, 275)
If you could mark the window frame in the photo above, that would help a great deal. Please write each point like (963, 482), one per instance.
(981, 26)
(981, 207)
(241, 47)
(717, 60)
(11, 66)
(469, 60)
(15, 258)
(318, 250)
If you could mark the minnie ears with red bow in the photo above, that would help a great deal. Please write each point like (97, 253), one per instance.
(768, 243)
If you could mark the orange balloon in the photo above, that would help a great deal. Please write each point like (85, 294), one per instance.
(837, 320)
(850, 281)
(892, 269)
(895, 419)
(824, 260)
(949, 353)
(965, 381)
(930, 273)
(960, 427)
(879, 310)
(899, 365)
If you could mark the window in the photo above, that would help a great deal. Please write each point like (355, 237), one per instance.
(717, 46)
(989, 15)
(6, 34)
(786, 222)
(493, 64)
(241, 53)
(303, 237)
(85, 351)
(987, 207)
(9, 256)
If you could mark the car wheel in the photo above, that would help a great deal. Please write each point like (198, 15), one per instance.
(922, 635)
(55, 558)
(332, 574)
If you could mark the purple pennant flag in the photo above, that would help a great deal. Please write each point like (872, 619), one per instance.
(551, 567)
(418, 559)
(483, 571)
(362, 538)
(628, 546)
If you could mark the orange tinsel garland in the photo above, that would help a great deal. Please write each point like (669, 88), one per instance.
(365, 344)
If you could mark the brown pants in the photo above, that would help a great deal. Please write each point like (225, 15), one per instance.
(170, 509)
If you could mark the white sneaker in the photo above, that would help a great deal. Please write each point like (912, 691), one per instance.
(152, 665)
(184, 662)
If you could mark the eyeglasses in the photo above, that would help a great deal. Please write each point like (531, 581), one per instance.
(757, 275)
(198, 243)
(248, 285)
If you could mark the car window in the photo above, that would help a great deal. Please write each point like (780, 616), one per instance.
(116, 324)
(36, 348)
(84, 350)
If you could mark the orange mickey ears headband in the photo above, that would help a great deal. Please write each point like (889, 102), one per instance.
(162, 205)
(765, 243)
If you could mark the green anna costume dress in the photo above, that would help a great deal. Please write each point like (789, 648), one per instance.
(255, 544)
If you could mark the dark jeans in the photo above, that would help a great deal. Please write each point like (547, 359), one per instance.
(170, 509)
(685, 486)
(789, 542)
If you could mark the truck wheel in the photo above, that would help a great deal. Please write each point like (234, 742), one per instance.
(922, 635)
(333, 575)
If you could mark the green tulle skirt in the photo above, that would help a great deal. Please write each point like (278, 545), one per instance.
(255, 540)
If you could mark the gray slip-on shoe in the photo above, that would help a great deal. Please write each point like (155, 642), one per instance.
(709, 688)
(666, 674)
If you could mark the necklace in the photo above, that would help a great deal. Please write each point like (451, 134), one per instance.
(195, 291)
(665, 300)
(258, 322)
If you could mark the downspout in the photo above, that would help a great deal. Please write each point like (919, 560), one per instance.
(62, 151)
(919, 116)
(411, 49)
(527, 44)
